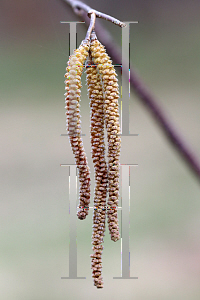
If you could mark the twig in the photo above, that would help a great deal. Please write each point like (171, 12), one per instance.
(91, 27)
(144, 94)
(79, 7)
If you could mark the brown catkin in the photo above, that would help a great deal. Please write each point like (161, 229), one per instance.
(111, 114)
(72, 99)
(95, 93)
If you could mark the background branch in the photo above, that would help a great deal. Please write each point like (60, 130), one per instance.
(145, 96)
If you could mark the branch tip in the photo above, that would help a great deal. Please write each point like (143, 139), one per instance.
(79, 7)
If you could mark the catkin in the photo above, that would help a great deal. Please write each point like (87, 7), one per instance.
(95, 94)
(103, 93)
(73, 86)
(111, 114)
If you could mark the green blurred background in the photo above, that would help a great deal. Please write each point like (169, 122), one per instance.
(165, 206)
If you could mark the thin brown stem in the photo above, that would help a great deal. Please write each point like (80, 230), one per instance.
(92, 25)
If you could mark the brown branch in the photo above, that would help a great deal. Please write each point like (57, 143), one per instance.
(144, 95)
(79, 7)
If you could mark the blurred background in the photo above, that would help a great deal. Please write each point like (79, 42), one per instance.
(164, 194)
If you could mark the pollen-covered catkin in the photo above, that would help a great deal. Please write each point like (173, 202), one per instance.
(98, 155)
(111, 113)
(72, 99)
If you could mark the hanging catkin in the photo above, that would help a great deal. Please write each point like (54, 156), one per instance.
(95, 93)
(111, 113)
(103, 93)
(73, 86)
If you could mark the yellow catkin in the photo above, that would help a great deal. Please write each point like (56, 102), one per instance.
(95, 94)
(111, 114)
(72, 99)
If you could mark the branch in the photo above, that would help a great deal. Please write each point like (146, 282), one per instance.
(141, 91)
(79, 7)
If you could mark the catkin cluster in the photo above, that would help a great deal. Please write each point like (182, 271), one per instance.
(73, 86)
(103, 94)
